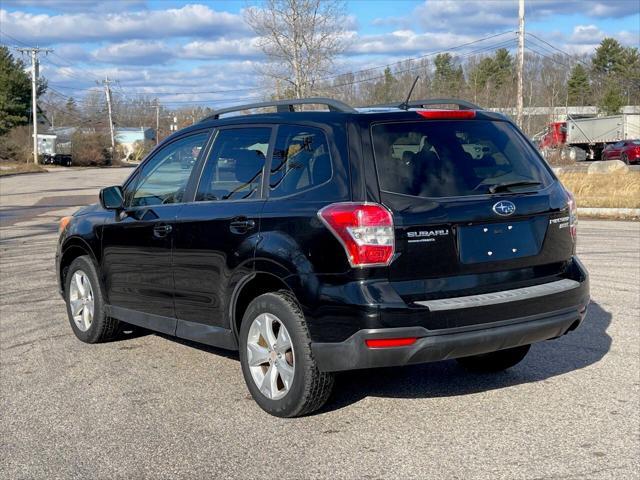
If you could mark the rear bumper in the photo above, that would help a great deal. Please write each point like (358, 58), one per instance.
(353, 353)
(455, 327)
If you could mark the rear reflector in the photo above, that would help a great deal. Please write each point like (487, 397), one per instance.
(390, 342)
(365, 230)
(446, 114)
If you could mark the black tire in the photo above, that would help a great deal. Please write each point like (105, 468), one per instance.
(495, 361)
(625, 158)
(310, 388)
(102, 327)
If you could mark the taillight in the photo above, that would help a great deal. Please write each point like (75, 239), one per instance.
(365, 230)
(573, 215)
(447, 114)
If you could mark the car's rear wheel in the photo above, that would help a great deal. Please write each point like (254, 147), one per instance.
(624, 158)
(276, 359)
(495, 361)
(85, 303)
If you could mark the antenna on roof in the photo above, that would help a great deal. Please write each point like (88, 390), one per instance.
(405, 105)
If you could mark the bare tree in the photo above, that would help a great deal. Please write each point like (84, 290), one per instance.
(300, 38)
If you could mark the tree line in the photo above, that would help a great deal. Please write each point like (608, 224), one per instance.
(302, 40)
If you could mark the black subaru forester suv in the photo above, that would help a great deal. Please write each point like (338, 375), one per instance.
(328, 240)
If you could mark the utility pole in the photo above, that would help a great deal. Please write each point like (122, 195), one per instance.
(107, 91)
(520, 94)
(33, 52)
(157, 122)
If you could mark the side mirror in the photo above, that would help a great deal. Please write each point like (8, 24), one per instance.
(112, 198)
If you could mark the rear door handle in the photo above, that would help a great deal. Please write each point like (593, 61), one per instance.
(162, 230)
(242, 225)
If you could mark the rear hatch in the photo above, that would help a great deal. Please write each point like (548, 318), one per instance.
(475, 209)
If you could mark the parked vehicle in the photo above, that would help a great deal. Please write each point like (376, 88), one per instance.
(586, 138)
(53, 151)
(627, 150)
(320, 241)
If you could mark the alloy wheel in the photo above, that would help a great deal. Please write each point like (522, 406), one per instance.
(81, 300)
(270, 356)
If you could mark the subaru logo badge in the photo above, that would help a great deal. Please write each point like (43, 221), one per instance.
(504, 208)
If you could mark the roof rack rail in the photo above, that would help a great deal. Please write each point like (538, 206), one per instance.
(287, 106)
(462, 104)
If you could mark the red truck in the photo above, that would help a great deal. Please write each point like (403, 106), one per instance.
(586, 138)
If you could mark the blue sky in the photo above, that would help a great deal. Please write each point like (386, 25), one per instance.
(175, 48)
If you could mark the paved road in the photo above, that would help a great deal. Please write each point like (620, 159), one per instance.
(152, 407)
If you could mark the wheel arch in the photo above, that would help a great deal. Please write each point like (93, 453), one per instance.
(73, 248)
(249, 288)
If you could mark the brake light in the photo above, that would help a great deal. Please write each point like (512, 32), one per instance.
(447, 114)
(390, 342)
(573, 215)
(365, 230)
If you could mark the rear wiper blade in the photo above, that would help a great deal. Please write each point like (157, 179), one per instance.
(500, 187)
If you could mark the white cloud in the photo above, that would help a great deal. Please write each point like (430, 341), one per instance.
(185, 85)
(222, 48)
(135, 52)
(190, 20)
(492, 15)
(406, 42)
(77, 5)
(586, 34)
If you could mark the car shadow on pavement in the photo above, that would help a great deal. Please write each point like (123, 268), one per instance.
(130, 332)
(578, 349)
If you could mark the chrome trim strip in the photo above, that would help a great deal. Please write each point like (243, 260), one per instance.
(504, 296)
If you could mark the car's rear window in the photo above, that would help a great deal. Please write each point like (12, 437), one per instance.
(454, 158)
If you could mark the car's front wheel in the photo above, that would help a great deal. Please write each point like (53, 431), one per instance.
(276, 359)
(85, 303)
(495, 361)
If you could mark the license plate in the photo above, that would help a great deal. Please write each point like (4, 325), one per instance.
(497, 241)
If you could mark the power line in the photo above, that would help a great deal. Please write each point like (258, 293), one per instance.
(556, 48)
(412, 68)
(555, 60)
(411, 59)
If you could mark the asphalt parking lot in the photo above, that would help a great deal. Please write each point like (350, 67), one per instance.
(148, 406)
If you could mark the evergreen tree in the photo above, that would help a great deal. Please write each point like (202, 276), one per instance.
(491, 76)
(612, 100)
(448, 78)
(608, 58)
(15, 92)
(503, 68)
(579, 89)
(385, 90)
(630, 75)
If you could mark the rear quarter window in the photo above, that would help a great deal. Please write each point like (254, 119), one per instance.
(453, 158)
(301, 161)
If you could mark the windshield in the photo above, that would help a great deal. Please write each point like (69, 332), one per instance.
(455, 158)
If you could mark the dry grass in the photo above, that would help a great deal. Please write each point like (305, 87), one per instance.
(621, 190)
(11, 168)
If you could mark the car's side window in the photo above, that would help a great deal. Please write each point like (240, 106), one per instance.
(234, 168)
(300, 160)
(164, 177)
